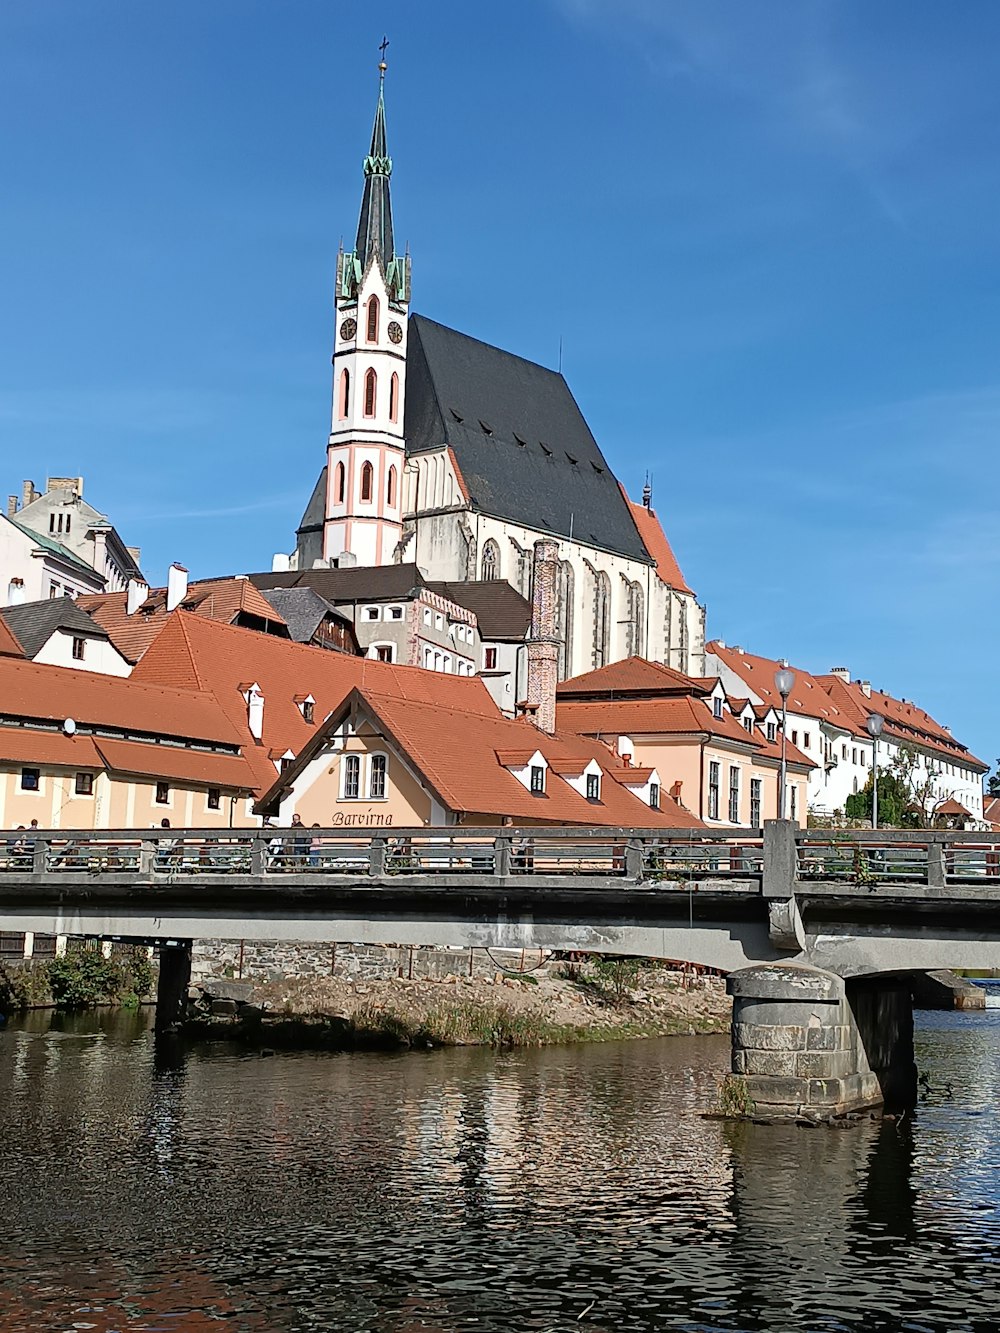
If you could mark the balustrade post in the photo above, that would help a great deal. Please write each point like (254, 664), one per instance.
(147, 857)
(780, 863)
(936, 876)
(258, 856)
(376, 856)
(501, 857)
(633, 859)
(40, 856)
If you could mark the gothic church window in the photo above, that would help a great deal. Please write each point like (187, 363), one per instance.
(564, 613)
(390, 485)
(634, 625)
(370, 386)
(345, 394)
(373, 319)
(394, 398)
(339, 483)
(491, 560)
(602, 618)
(367, 482)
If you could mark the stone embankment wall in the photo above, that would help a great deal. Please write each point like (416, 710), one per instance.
(276, 960)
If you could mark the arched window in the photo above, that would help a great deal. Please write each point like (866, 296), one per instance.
(367, 482)
(339, 483)
(373, 319)
(602, 617)
(394, 398)
(370, 384)
(634, 626)
(376, 777)
(390, 485)
(564, 612)
(491, 560)
(344, 401)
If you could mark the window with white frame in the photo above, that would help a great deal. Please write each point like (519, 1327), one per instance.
(714, 776)
(734, 794)
(654, 796)
(372, 613)
(352, 777)
(379, 765)
(593, 786)
(31, 779)
(537, 779)
(489, 659)
(717, 707)
(772, 732)
(756, 789)
(395, 613)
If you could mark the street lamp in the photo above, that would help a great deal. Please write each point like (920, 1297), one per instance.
(783, 682)
(874, 726)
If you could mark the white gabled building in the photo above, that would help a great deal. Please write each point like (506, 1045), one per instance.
(458, 456)
(61, 517)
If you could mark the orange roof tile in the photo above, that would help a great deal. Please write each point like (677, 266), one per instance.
(809, 698)
(991, 810)
(9, 646)
(455, 751)
(217, 599)
(904, 721)
(54, 693)
(635, 676)
(200, 654)
(24, 745)
(186, 765)
(655, 541)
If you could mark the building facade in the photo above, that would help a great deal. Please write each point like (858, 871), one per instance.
(458, 456)
(60, 514)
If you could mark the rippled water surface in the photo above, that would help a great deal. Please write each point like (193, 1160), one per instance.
(543, 1191)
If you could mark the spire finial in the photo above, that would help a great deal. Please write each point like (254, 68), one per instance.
(647, 493)
(382, 66)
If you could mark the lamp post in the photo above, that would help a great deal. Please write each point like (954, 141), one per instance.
(874, 726)
(783, 682)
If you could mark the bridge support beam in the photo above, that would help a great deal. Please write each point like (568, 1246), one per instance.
(172, 984)
(807, 1042)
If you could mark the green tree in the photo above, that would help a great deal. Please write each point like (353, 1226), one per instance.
(893, 802)
(993, 783)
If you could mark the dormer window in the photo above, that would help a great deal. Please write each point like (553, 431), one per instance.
(308, 710)
(717, 707)
(654, 796)
(537, 780)
(748, 724)
(772, 731)
(593, 786)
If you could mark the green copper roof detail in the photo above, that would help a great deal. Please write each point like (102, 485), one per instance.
(374, 239)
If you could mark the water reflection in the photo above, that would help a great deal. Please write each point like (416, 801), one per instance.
(544, 1190)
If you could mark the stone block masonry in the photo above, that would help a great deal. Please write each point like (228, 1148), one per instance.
(807, 1042)
(278, 960)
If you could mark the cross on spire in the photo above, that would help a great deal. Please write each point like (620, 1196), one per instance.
(383, 47)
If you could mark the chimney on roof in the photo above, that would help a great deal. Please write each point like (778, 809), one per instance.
(346, 560)
(841, 673)
(255, 712)
(280, 563)
(675, 791)
(135, 552)
(11, 505)
(72, 484)
(28, 493)
(177, 586)
(543, 645)
(135, 594)
(866, 688)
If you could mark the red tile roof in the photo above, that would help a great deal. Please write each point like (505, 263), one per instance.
(25, 746)
(9, 646)
(200, 654)
(611, 718)
(217, 599)
(54, 693)
(655, 541)
(905, 723)
(809, 698)
(991, 810)
(455, 751)
(633, 676)
(183, 765)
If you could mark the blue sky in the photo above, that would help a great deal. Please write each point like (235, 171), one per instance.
(767, 235)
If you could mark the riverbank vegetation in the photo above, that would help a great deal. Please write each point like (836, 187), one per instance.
(81, 978)
(575, 1003)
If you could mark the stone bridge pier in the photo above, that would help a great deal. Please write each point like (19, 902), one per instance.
(808, 1042)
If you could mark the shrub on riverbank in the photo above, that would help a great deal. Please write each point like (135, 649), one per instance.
(80, 979)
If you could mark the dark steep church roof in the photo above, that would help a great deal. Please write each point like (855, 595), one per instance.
(523, 448)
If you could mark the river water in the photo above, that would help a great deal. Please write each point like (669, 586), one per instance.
(567, 1189)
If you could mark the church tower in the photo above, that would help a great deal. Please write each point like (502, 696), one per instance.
(365, 455)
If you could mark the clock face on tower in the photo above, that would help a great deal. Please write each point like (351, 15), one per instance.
(395, 332)
(348, 329)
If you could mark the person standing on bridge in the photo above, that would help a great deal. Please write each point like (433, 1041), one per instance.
(301, 841)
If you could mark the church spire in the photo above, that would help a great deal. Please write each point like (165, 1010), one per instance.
(374, 238)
